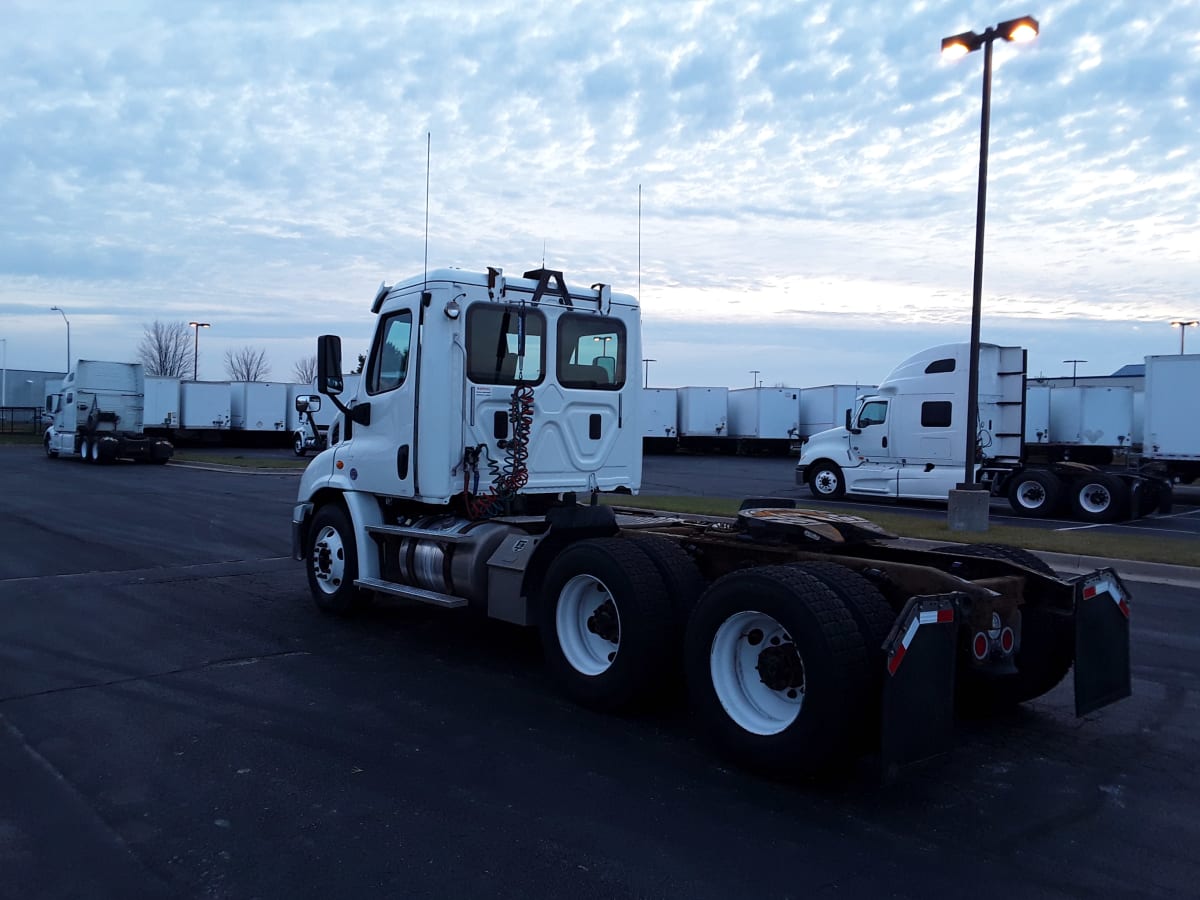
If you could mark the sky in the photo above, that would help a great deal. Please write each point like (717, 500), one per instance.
(806, 172)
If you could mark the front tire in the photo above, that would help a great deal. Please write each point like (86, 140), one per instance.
(333, 563)
(51, 453)
(85, 450)
(298, 445)
(826, 481)
(605, 624)
(776, 669)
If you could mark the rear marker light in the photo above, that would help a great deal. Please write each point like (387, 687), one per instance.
(980, 645)
(1007, 640)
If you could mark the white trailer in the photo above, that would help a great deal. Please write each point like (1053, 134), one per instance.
(162, 404)
(97, 415)
(1091, 416)
(764, 419)
(204, 405)
(469, 481)
(1171, 440)
(258, 406)
(825, 406)
(659, 409)
(702, 416)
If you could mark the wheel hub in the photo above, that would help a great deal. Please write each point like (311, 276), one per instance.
(604, 623)
(779, 667)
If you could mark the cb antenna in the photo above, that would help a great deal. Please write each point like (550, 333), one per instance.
(639, 243)
(428, 146)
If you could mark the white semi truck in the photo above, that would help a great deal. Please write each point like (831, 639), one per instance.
(466, 470)
(907, 439)
(97, 415)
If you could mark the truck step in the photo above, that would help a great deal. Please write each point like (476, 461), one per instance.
(448, 601)
(403, 531)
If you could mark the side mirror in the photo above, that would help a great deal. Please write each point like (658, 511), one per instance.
(329, 364)
(847, 420)
(308, 403)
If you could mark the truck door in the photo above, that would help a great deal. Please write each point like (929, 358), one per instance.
(378, 457)
(877, 475)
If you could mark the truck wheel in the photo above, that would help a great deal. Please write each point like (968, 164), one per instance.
(679, 573)
(1035, 494)
(85, 450)
(51, 453)
(298, 445)
(1099, 497)
(776, 669)
(96, 456)
(826, 481)
(605, 623)
(333, 563)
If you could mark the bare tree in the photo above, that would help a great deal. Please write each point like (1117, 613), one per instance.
(362, 361)
(305, 369)
(166, 349)
(247, 364)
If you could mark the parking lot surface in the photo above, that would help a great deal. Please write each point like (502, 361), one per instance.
(176, 720)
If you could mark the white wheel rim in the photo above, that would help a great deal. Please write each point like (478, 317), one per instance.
(329, 560)
(737, 648)
(1094, 498)
(95, 451)
(826, 482)
(580, 602)
(1031, 495)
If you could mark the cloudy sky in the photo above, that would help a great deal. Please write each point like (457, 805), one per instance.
(808, 174)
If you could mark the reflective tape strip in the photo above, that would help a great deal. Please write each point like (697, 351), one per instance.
(925, 617)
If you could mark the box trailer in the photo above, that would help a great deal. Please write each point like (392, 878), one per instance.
(825, 406)
(764, 419)
(258, 406)
(162, 404)
(204, 405)
(658, 414)
(702, 416)
(1171, 440)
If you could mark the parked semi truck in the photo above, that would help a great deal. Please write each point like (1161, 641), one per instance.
(908, 439)
(97, 415)
(466, 471)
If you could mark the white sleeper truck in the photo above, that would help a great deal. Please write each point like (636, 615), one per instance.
(97, 415)
(466, 472)
(907, 439)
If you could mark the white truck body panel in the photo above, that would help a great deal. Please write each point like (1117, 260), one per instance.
(658, 413)
(825, 406)
(1091, 416)
(1037, 415)
(258, 406)
(204, 405)
(162, 402)
(1172, 413)
(113, 387)
(762, 412)
(703, 411)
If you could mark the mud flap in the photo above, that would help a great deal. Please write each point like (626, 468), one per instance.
(918, 689)
(1102, 672)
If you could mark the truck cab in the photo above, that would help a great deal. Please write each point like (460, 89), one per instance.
(908, 437)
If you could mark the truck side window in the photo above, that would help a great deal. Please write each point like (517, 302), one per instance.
(935, 414)
(495, 335)
(873, 413)
(591, 352)
(389, 356)
(940, 365)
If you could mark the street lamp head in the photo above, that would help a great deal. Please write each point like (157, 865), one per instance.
(960, 45)
(1020, 30)
(199, 325)
(1180, 323)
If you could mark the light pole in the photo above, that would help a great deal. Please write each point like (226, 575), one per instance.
(754, 377)
(1022, 29)
(604, 345)
(68, 321)
(1074, 368)
(4, 378)
(196, 351)
(1183, 326)
(646, 363)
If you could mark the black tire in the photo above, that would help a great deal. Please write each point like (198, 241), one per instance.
(1035, 494)
(606, 624)
(333, 563)
(1043, 659)
(826, 481)
(1099, 497)
(50, 452)
(298, 445)
(757, 720)
(678, 571)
